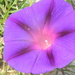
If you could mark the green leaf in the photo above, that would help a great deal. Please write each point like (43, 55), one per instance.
(70, 66)
(57, 72)
(69, 70)
(15, 2)
(20, 73)
(31, 2)
(23, 4)
(68, 0)
(2, 8)
(1, 0)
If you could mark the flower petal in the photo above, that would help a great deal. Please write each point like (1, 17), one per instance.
(61, 8)
(63, 16)
(27, 61)
(22, 62)
(13, 32)
(67, 23)
(19, 52)
(33, 16)
(64, 50)
(42, 64)
(12, 48)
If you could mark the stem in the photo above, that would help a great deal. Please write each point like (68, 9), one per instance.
(62, 72)
(30, 5)
(35, 74)
(66, 68)
(32, 74)
(72, 3)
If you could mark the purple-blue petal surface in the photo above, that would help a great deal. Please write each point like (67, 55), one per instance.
(13, 32)
(42, 64)
(41, 37)
(64, 50)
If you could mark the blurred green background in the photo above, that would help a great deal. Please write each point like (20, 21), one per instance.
(8, 7)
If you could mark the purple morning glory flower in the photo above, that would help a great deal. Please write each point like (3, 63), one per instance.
(41, 37)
